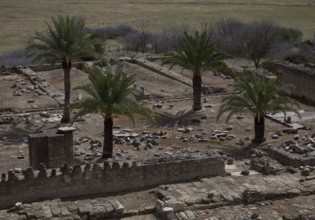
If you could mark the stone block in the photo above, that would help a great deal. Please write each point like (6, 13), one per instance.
(50, 148)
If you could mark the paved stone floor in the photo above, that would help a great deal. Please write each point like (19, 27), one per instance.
(301, 207)
(284, 196)
(230, 190)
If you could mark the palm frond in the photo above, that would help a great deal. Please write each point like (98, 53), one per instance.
(196, 54)
(258, 95)
(64, 40)
(110, 93)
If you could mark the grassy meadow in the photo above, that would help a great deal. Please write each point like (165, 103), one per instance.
(20, 19)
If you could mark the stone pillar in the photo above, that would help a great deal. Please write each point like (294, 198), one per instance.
(38, 150)
(52, 148)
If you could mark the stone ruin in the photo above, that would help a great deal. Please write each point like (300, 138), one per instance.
(52, 148)
(110, 177)
(302, 77)
(91, 178)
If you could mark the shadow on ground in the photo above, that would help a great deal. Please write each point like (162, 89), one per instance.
(242, 152)
(183, 118)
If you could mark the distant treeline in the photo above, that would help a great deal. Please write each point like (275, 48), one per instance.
(254, 40)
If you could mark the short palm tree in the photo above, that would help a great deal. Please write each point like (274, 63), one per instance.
(109, 95)
(198, 55)
(64, 41)
(258, 95)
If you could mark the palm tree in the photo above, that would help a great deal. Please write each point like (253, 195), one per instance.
(109, 96)
(258, 95)
(64, 41)
(198, 55)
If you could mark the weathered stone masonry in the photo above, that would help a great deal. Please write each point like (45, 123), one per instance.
(303, 78)
(50, 148)
(289, 159)
(102, 178)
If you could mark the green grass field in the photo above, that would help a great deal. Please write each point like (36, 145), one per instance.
(20, 19)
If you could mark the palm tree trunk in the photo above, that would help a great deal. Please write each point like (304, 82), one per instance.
(259, 129)
(66, 66)
(197, 92)
(108, 138)
(256, 62)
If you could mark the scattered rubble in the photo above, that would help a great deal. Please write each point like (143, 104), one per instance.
(266, 166)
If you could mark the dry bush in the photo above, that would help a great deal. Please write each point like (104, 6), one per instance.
(15, 58)
(169, 38)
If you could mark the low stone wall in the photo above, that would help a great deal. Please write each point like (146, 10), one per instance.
(41, 84)
(109, 177)
(289, 159)
(42, 67)
(303, 78)
(161, 70)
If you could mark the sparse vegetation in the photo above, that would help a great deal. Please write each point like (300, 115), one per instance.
(256, 40)
(113, 32)
(169, 38)
(15, 58)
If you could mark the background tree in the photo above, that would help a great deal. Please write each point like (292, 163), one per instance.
(227, 35)
(109, 95)
(259, 39)
(255, 40)
(169, 38)
(144, 35)
(64, 41)
(198, 55)
(258, 95)
(139, 39)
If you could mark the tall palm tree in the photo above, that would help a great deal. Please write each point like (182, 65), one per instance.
(109, 95)
(258, 95)
(65, 41)
(198, 55)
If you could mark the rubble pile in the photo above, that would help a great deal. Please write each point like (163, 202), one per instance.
(22, 87)
(300, 145)
(50, 117)
(266, 166)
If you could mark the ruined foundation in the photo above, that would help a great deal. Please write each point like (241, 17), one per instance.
(289, 159)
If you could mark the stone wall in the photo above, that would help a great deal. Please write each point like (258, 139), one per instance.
(289, 159)
(102, 178)
(303, 78)
(161, 70)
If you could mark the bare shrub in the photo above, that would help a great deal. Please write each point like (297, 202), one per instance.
(137, 41)
(169, 38)
(113, 32)
(301, 54)
(227, 35)
(14, 58)
(290, 35)
(255, 40)
(293, 49)
(259, 38)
